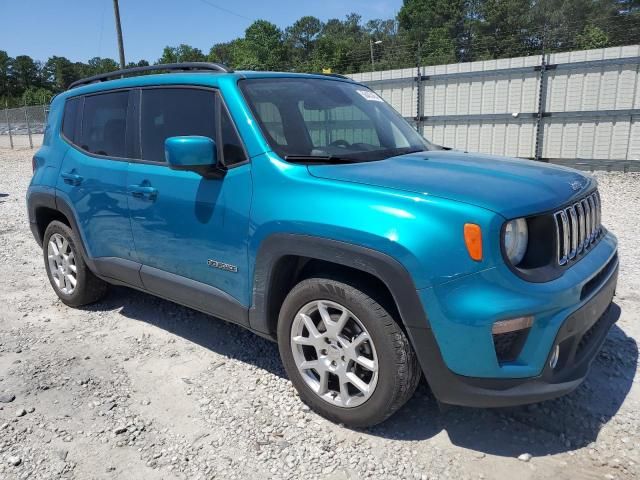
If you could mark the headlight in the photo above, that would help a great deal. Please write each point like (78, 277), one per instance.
(516, 237)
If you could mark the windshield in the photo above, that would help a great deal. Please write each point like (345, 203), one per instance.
(315, 119)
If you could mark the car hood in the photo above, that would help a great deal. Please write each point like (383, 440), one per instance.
(509, 186)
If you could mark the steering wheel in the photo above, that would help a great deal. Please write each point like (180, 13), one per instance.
(340, 143)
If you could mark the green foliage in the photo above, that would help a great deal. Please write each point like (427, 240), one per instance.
(36, 96)
(592, 37)
(182, 53)
(428, 31)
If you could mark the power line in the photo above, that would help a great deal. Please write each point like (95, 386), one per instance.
(226, 10)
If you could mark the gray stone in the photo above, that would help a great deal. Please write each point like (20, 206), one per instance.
(7, 397)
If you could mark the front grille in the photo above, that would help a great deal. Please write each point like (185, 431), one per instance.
(577, 228)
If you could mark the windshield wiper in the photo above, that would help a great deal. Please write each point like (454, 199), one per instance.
(318, 159)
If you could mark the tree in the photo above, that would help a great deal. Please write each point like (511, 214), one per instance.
(98, 65)
(591, 37)
(300, 39)
(141, 63)
(182, 53)
(501, 28)
(6, 63)
(222, 53)
(60, 72)
(262, 47)
(24, 72)
(36, 96)
(439, 25)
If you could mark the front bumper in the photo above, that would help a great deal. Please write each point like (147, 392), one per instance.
(580, 338)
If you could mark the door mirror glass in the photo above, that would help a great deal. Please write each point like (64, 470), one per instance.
(195, 153)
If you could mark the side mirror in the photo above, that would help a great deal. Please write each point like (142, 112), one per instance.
(194, 153)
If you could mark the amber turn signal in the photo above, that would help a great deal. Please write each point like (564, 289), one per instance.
(473, 240)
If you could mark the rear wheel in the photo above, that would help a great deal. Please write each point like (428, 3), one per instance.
(68, 273)
(346, 356)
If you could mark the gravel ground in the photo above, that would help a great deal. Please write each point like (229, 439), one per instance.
(137, 387)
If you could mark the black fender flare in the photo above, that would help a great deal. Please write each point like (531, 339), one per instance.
(41, 198)
(387, 269)
(50, 200)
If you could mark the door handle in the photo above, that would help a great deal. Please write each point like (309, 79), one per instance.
(143, 191)
(71, 178)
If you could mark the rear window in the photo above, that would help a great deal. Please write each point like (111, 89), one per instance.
(173, 112)
(104, 124)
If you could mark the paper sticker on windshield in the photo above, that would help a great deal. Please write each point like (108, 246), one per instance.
(369, 95)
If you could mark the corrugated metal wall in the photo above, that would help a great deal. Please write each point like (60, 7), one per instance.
(583, 106)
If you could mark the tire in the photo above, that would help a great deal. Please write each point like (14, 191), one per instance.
(60, 242)
(385, 349)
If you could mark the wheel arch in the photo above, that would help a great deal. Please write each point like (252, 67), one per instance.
(45, 207)
(285, 259)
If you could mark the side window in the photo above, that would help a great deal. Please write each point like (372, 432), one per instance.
(104, 124)
(71, 119)
(172, 112)
(231, 144)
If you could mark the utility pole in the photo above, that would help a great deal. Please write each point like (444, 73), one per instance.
(371, 44)
(116, 11)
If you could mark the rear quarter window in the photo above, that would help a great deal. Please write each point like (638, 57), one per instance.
(71, 119)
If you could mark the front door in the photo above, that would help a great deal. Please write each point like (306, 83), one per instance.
(193, 228)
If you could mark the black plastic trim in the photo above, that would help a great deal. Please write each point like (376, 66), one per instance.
(194, 294)
(385, 268)
(118, 270)
(36, 200)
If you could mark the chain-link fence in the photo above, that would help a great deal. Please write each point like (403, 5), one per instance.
(22, 127)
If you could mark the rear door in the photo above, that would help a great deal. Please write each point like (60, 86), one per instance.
(193, 228)
(94, 171)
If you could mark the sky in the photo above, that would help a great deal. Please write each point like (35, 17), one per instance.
(82, 29)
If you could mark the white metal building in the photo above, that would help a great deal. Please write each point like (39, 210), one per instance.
(580, 108)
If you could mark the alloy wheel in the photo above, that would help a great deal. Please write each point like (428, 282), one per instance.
(62, 264)
(334, 353)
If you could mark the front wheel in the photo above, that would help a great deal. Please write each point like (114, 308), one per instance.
(346, 356)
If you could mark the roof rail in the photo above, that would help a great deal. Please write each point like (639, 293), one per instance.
(178, 67)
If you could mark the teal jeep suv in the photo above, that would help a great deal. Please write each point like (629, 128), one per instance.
(304, 208)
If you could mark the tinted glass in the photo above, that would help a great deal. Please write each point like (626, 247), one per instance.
(173, 112)
(347, 125)
(271, 121)
(328, 118)
(71, 119)
(231, 146)
(104, 124)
